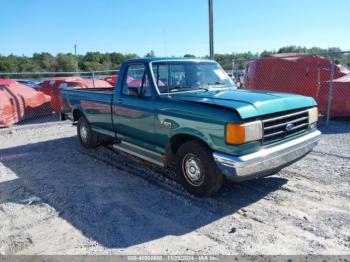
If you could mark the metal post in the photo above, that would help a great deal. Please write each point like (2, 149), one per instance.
(211, 29)
(93, 78)
(330, 91)
(233, 68)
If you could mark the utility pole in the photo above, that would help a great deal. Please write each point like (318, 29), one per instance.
(211, 29)
(76, 58)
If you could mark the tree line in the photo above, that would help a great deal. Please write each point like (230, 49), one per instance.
(241, 59)
(46, 62)
(96, 61)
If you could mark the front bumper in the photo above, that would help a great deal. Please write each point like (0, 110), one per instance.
(266, 161)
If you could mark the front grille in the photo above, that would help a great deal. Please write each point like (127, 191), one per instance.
(280, 126)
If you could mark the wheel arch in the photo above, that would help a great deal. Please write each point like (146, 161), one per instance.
(178, 139)
(77, 112)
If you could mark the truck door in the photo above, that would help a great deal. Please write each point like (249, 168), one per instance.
(133, 106)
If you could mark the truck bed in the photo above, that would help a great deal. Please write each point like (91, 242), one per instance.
(95, 103)
(99, 94)
(95, 90)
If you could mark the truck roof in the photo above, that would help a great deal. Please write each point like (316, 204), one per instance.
(153, 59)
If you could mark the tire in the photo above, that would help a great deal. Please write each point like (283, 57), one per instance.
(87, 137)
(197, 170)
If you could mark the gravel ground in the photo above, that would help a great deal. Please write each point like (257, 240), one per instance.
(58, 198)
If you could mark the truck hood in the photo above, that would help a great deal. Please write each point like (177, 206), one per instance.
(247, 103)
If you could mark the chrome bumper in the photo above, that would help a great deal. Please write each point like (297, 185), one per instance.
(266, 161)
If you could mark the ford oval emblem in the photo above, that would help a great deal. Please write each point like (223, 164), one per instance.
(290, 127)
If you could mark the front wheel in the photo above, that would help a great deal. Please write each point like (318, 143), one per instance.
(87, 137)
(197, 170)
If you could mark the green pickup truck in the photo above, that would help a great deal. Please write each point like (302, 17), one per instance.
(188, 114)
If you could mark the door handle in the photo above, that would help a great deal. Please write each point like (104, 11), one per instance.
(118, 102)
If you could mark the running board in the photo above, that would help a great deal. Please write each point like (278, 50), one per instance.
(140, 152)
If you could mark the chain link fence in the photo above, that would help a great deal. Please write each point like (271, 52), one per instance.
(34, 97)
(325, 77)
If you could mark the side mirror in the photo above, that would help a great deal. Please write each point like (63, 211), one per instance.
(134, 91)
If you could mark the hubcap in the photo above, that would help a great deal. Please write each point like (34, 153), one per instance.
(83, 133)
(192, 169)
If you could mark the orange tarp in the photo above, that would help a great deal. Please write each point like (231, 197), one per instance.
(17, 101)
(301, 74)
(52, 87)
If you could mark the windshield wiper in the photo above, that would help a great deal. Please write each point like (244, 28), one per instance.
(174, 88)
(184, 88)
(216, 83)
(216, 86)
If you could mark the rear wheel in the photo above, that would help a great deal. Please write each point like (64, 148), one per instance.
(87, 137)
(197, 170)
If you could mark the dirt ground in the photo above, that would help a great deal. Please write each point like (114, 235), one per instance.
(58, 198)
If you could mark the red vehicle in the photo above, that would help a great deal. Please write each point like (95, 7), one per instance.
(17, 102)
(111, 79)
(52, 87)
(302, 74)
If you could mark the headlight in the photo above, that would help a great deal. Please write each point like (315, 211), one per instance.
(241, 133)
(313, 115)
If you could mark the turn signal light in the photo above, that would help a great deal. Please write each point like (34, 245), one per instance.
(242, 133)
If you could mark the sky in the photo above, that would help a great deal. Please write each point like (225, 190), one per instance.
(170, 27)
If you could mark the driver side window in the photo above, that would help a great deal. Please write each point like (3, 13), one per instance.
(136, 79)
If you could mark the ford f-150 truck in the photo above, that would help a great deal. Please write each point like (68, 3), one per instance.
(188, 114)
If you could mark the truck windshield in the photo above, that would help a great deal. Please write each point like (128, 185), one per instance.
(175, 76)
